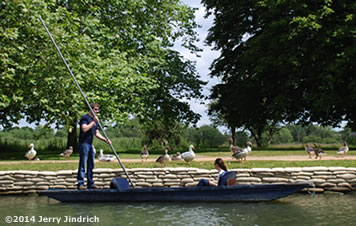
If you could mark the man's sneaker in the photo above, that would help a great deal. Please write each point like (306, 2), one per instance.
(93, 187)
(81, 187)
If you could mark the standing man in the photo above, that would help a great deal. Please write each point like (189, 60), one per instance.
(88, 128)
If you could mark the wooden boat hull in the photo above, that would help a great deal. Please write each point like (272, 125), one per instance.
(237, 193)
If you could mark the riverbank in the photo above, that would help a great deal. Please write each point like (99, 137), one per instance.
(324, 178)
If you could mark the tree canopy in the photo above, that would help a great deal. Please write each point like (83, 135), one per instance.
(119, 50)
(283, 61)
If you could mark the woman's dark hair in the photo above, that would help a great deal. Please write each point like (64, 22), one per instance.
(220, 163)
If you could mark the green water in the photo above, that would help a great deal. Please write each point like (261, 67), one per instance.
(298, 209)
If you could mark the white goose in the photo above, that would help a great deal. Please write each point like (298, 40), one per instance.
(30, 155)
(67, 152)
(163, 159)
(105, 158)
(243, 154)
(189, 155)
(343, 150)
(144, 153)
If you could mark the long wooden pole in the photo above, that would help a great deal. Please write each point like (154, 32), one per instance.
(85, 98)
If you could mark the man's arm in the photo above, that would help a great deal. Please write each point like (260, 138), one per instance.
(101, 137)
(86, 127)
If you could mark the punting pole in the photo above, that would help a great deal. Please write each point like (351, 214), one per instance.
(86, 100)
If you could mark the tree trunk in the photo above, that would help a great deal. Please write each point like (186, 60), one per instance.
(72, 136)
(258, 137)
(270, 135)
(233, 133)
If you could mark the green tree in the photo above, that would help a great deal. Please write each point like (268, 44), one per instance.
(192, 136)
(283, 136)
(61, 132)
(298, 132)
(241, 138)
(325, 134)
(120, 51)
(218, 119)
(24, 133)
(283, 61)
(163, 134)
(41, 132)
(206, 136)
(346, 135)
(131, 128)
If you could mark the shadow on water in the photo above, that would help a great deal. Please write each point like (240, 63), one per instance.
(298, 209)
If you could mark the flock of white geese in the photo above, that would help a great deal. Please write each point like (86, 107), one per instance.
(186, 156)
(237, 153)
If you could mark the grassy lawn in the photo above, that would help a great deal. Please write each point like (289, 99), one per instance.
(22, 164)
(202, 165)
(276, 150)
(123, 155)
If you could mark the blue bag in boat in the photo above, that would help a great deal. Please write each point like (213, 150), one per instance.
(120, 184)
(225, 177)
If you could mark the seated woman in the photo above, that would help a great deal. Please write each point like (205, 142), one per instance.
(224, 175)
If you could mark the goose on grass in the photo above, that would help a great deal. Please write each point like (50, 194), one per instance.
(189, 155)
(66, 153)
(163, 159)
(144, 153)
(31, 154)
(105, 158)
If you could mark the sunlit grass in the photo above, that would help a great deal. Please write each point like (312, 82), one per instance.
(21, 164)
(231, 164)
(224, 154)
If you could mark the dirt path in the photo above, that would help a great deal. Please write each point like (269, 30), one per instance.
(204, 158)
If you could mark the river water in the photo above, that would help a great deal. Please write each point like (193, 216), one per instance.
(298, 209)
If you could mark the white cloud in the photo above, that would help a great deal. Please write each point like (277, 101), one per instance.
(202, 63)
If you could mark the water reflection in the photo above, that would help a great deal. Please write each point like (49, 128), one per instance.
(298, 209)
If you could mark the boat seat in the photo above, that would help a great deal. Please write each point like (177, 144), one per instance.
(120, 184)
(228, 178)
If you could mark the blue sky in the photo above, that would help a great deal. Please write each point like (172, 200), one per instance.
(202, 63)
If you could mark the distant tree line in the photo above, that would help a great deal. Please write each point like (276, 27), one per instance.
(312, 134)
(133, 136)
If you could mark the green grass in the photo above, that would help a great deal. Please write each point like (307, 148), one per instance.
(23, 165)
(287, 153)
(14, 156)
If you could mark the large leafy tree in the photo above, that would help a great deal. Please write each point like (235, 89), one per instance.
(206, 136)
(283, 61)
(120, 52)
